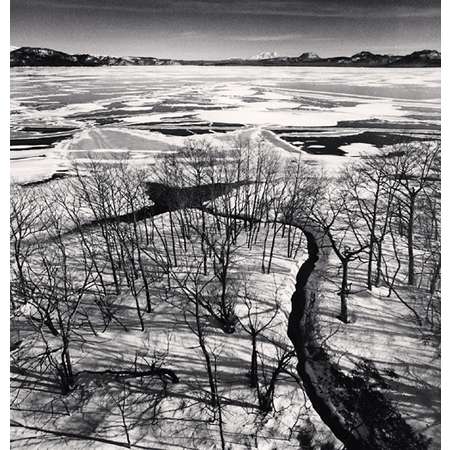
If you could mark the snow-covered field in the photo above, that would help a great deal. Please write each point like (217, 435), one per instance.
(329, 116)
(151, 109)
(383, 330)
(181, 419)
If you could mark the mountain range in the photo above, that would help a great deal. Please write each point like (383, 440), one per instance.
(36, 56)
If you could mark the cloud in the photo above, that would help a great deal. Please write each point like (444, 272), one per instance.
(299, 8)
(267, 37)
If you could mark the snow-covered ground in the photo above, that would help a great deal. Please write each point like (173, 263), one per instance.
(383, 330)
(181, 420)
(112, 111)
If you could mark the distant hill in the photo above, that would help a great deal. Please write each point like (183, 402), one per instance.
(35, 56)
(422, 57)
(309, 56)
(265, 55)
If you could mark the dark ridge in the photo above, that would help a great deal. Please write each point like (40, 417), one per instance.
(35, 56)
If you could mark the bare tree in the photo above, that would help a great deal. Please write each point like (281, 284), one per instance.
(270, 376)
(27, 220)
(95, 190)
(56, 296)
(414, 168)
(254, 324)
(372, 194)
(346, 237)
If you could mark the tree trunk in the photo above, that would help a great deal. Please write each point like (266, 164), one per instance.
(435, 276)
(372, 236)
(222, 437)
(369, 264)
(65, 372)
(201, 341)
(172, 235)
(263, 267)
(254, 364)
(203, 246)
(142, 267)
(411, 274)
(343, 293)
(49, 322)
(111, 259)
(272, 247)
(379, 256)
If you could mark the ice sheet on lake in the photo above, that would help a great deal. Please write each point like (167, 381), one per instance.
(104, 103)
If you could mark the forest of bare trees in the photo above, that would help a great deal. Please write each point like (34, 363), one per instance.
(104, 251)
(384, 211)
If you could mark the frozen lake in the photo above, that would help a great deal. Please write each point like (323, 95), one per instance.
(59, 115)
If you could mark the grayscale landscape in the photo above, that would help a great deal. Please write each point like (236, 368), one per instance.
(60, 115)
(224, 256)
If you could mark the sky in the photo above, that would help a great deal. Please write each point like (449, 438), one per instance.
(211, 29)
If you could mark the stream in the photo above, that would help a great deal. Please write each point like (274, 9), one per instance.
(359, 415)
(299, 332)
(320, 377)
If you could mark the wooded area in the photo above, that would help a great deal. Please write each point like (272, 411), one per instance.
(101, 251)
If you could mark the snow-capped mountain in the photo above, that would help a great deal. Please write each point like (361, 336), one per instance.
(265, 55)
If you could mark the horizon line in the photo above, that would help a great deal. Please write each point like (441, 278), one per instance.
(374, 52)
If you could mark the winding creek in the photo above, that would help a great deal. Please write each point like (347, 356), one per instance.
(298, 331)
(329, 390)
(320, 377)
(300, 335)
